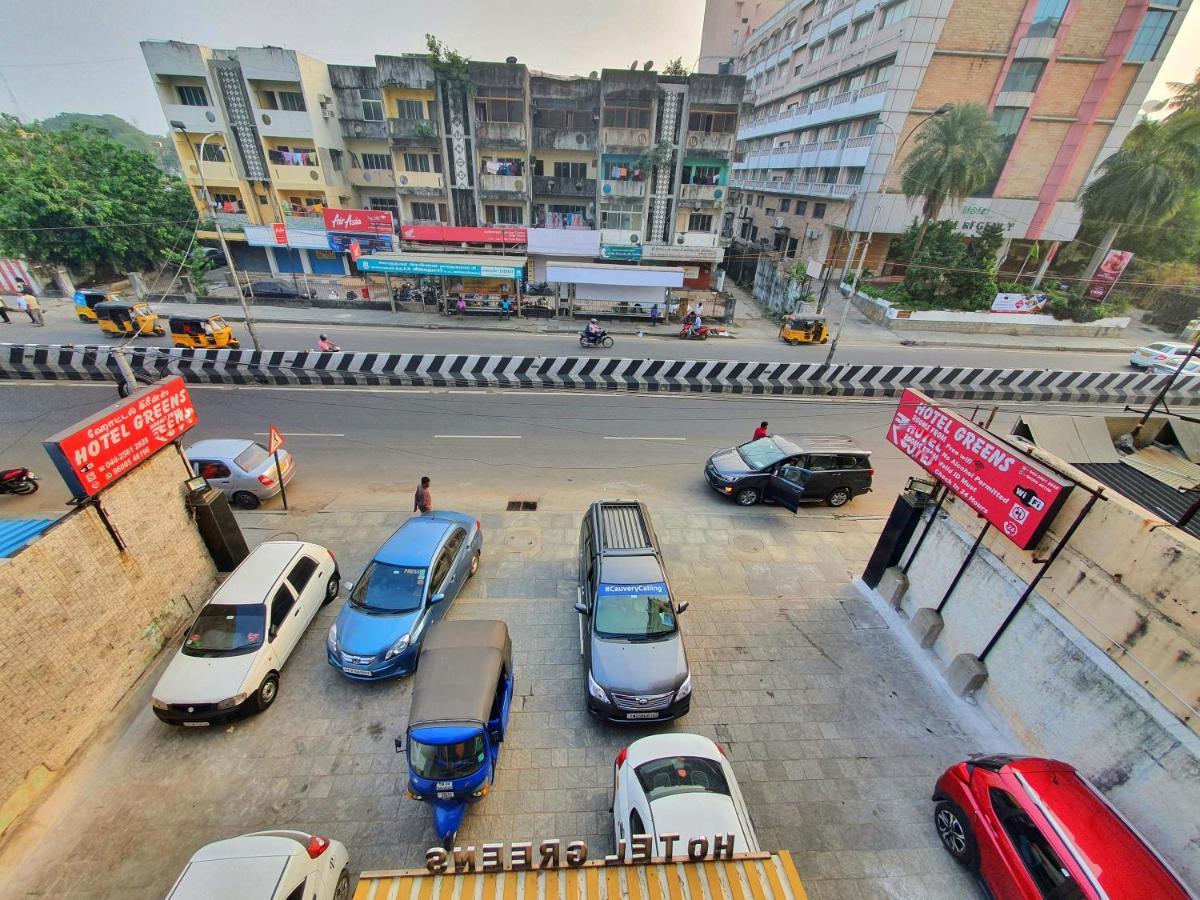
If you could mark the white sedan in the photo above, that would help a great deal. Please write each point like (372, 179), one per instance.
(682, 784)
(267, 865)
(1159, 353)
(1192, 367)
(232, 654)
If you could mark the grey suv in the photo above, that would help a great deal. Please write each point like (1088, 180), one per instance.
(629, 635)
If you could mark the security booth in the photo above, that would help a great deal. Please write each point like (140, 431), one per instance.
(614, 291)
(482, 282)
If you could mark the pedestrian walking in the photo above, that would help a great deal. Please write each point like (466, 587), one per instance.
(4, 312)
(654, 314)
(760, 432)
(505, 308)
(22, 286)
(461, 306)
(34, 310)
(422, 501)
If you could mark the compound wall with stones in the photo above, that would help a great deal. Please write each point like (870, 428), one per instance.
(80, 621)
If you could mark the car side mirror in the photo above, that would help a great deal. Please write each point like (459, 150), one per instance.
(682, 607)
(272, 632)
(399, 745)
(437, 598)
(581, 607)
(348, 586)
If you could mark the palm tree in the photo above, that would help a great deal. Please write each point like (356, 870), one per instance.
(1187, 96)
(956, 154)
(1145, 182)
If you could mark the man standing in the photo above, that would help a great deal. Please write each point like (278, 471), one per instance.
(505, 308)
(422, 501)
(760, 432)
(4, 312)
(31, 307)
(654, 314)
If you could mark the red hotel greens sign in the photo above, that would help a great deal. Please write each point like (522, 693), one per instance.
(1007, 488)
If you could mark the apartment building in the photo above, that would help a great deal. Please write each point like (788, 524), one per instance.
(637, 161)
(840, 86)
(727, 26)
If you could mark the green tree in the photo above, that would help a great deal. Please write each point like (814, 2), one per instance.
(1187, 96)
(79, 199)
(676, 67)
(124, 133)
(941, 249)
(972, 285)
(194, 264)
(450, 65)
(1146, 182)
(956, 154)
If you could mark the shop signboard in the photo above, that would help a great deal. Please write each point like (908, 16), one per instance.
(620, 251)
(1115, 262)
(429, 267)
(1007, 488)
(280, 230)
(446, 234)
(341, 241)
(683, 252)
(94, 453)
(1018, 303)
(358, 221)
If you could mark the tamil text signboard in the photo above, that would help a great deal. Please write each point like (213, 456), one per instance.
(446, 234)
(94, 453)
(418, 266)
(1006, 488)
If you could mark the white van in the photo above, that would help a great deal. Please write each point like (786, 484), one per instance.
(230, 658)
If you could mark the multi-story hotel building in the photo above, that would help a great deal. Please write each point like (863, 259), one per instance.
(840, 86)
(634, 165)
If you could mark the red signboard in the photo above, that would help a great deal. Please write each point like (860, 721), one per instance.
(1106, 276)
(94, 453)
(281, 234)
(361, 221)
(453, 235)
(355, 250)
(1011, 491)
(274, 439)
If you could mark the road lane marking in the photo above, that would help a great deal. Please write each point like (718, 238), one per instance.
(480, 437)
(293, 434)
(611, 438)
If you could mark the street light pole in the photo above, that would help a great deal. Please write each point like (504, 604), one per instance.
(182, 129)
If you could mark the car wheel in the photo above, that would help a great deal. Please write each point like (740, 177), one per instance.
(332, 588)
(474, 564)
(83, 319)
(794, 342)
(955, 834)
(267, 692)
(838, 497)
(746, 497)
(246, 500)
(342, 891)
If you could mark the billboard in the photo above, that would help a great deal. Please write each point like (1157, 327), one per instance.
(1018, 303)
(1106, 276)
(358, 221)
(94, 453)
(414, 265)
(1007, 488)
(447, 234)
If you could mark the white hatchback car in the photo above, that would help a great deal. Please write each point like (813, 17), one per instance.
(267, 865)
(678, 783)
(1160, 353)
(231, 656)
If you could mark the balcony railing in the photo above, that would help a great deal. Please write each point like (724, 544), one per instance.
(626, 137)
(713, 142)
(505, 134)
(622, 188)
(800, 116)
(564, 187)
(361, 128)
(413, 131)
(419, 182)
(808, 188)
(373, 177)
(823, 153)
(565, 139)
(235, 221)
(703, 193)
(502, 184)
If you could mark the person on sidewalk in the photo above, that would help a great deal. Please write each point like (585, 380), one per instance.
(4, 312)
(654, 314)
(505, 309)
(461, 306)
(422, 501)
(32, 307)
(760, 432)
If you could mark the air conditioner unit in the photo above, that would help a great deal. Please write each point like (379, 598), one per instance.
(328, 113)
(324, 98)
(519, 185)
(779, 221)
(635, 239)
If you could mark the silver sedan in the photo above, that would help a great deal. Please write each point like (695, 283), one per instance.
(242, 469)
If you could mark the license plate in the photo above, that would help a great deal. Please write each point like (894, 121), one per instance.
(642, 715)
(445, 795)
(352, 671)
(195, 724)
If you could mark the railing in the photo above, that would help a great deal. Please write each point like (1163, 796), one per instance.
(506, 133)
(373, 177)
(810, 188)
(802, 155)
(565, 139)
(712, 141)
(707, 193)
(564, 187)
(622, 188)
(863, 140)
(229, 221)
(419, 181)
(790, 118)
(412, 130)
(626, 137)
(510, 184)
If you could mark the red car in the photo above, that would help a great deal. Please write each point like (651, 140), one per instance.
(1034, 828)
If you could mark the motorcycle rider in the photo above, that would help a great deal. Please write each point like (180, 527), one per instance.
(593, 331)
(327, 346)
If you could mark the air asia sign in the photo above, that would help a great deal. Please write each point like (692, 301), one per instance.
(552, 855)
(1009, 490)
(94, 453)
(454, 235)
(358, 221)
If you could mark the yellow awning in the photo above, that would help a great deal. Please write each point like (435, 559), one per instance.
(752, 877)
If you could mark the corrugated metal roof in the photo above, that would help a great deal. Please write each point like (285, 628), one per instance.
(761, 877)
(16, 533)
(1165, 466)
(1151, 494)
(1188, 436)
(1073, 439)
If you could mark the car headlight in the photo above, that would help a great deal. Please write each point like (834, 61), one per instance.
(482, 792)
(595, 690)
(685, 689)
(158, 704)
(236, 700)
(397, 648)
(331, 640)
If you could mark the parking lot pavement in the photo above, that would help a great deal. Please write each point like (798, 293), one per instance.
(835, 736)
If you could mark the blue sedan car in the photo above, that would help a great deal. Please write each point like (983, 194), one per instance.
(407, 587)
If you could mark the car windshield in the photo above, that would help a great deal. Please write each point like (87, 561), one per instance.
(226, 630)
(251, 458)
(681, 775)
(761, 453)
(634, 612)
(385, 588)
(443, 762)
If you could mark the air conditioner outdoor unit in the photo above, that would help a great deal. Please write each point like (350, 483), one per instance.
(328, 113)
(779, 221)
(324, 98)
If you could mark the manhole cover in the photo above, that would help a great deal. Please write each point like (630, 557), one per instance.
(521, 505)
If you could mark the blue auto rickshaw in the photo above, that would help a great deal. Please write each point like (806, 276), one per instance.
(462, 695)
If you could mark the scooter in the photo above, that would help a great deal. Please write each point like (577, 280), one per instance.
(603, 339)
(687, 333)
(18, 481)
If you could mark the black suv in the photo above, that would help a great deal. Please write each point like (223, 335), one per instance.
(629, 636)
(791, 470)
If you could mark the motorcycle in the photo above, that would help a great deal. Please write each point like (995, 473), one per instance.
(18, 481)
(688, 333)
(602, 339)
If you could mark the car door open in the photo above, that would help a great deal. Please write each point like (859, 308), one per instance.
(787, 486)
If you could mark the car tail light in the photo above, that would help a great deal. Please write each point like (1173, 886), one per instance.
(720, 749)
(478, 526)
(621, 756)
(267, 480)
(1161, 357)
(871, 472)
(317, 845)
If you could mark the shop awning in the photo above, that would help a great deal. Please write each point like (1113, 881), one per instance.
(461, 264)
(564, 242)
(631, 276)
(297, 238)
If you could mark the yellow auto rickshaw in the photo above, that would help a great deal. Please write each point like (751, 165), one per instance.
(86, 301)
(804, 330)
(201, 333)
(120, 317)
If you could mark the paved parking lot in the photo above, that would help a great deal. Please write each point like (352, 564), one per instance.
(835, 736)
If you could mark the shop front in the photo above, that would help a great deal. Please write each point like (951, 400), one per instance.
(300, 252)
(600, 290)
(481, 282)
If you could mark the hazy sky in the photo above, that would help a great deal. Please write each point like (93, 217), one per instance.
(83, 56)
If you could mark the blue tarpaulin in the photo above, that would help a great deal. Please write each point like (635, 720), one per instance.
(16, 533)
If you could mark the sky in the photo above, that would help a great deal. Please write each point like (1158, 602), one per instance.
(83, 55)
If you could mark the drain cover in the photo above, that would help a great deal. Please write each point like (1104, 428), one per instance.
(521, 505)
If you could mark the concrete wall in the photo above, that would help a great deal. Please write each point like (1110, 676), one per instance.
(81, 621)
(1084, 672)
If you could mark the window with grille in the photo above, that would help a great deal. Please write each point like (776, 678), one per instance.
(829, 174)
(424, 212)
(510, 215)
(628, 115)
(410, 109)
(498, 104)
(818, 211)
(860, 30)
(785, 205)
(372, 104)
(416, 162)
(387, 204)
(376, 160)
(836, 41)
(623, 217)
(801, 207)
(713, 122)
(292, 101)
(854, 175)
(894, 13)
(816, 52)
(210, 152)
(570, 170)
(192, 95)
